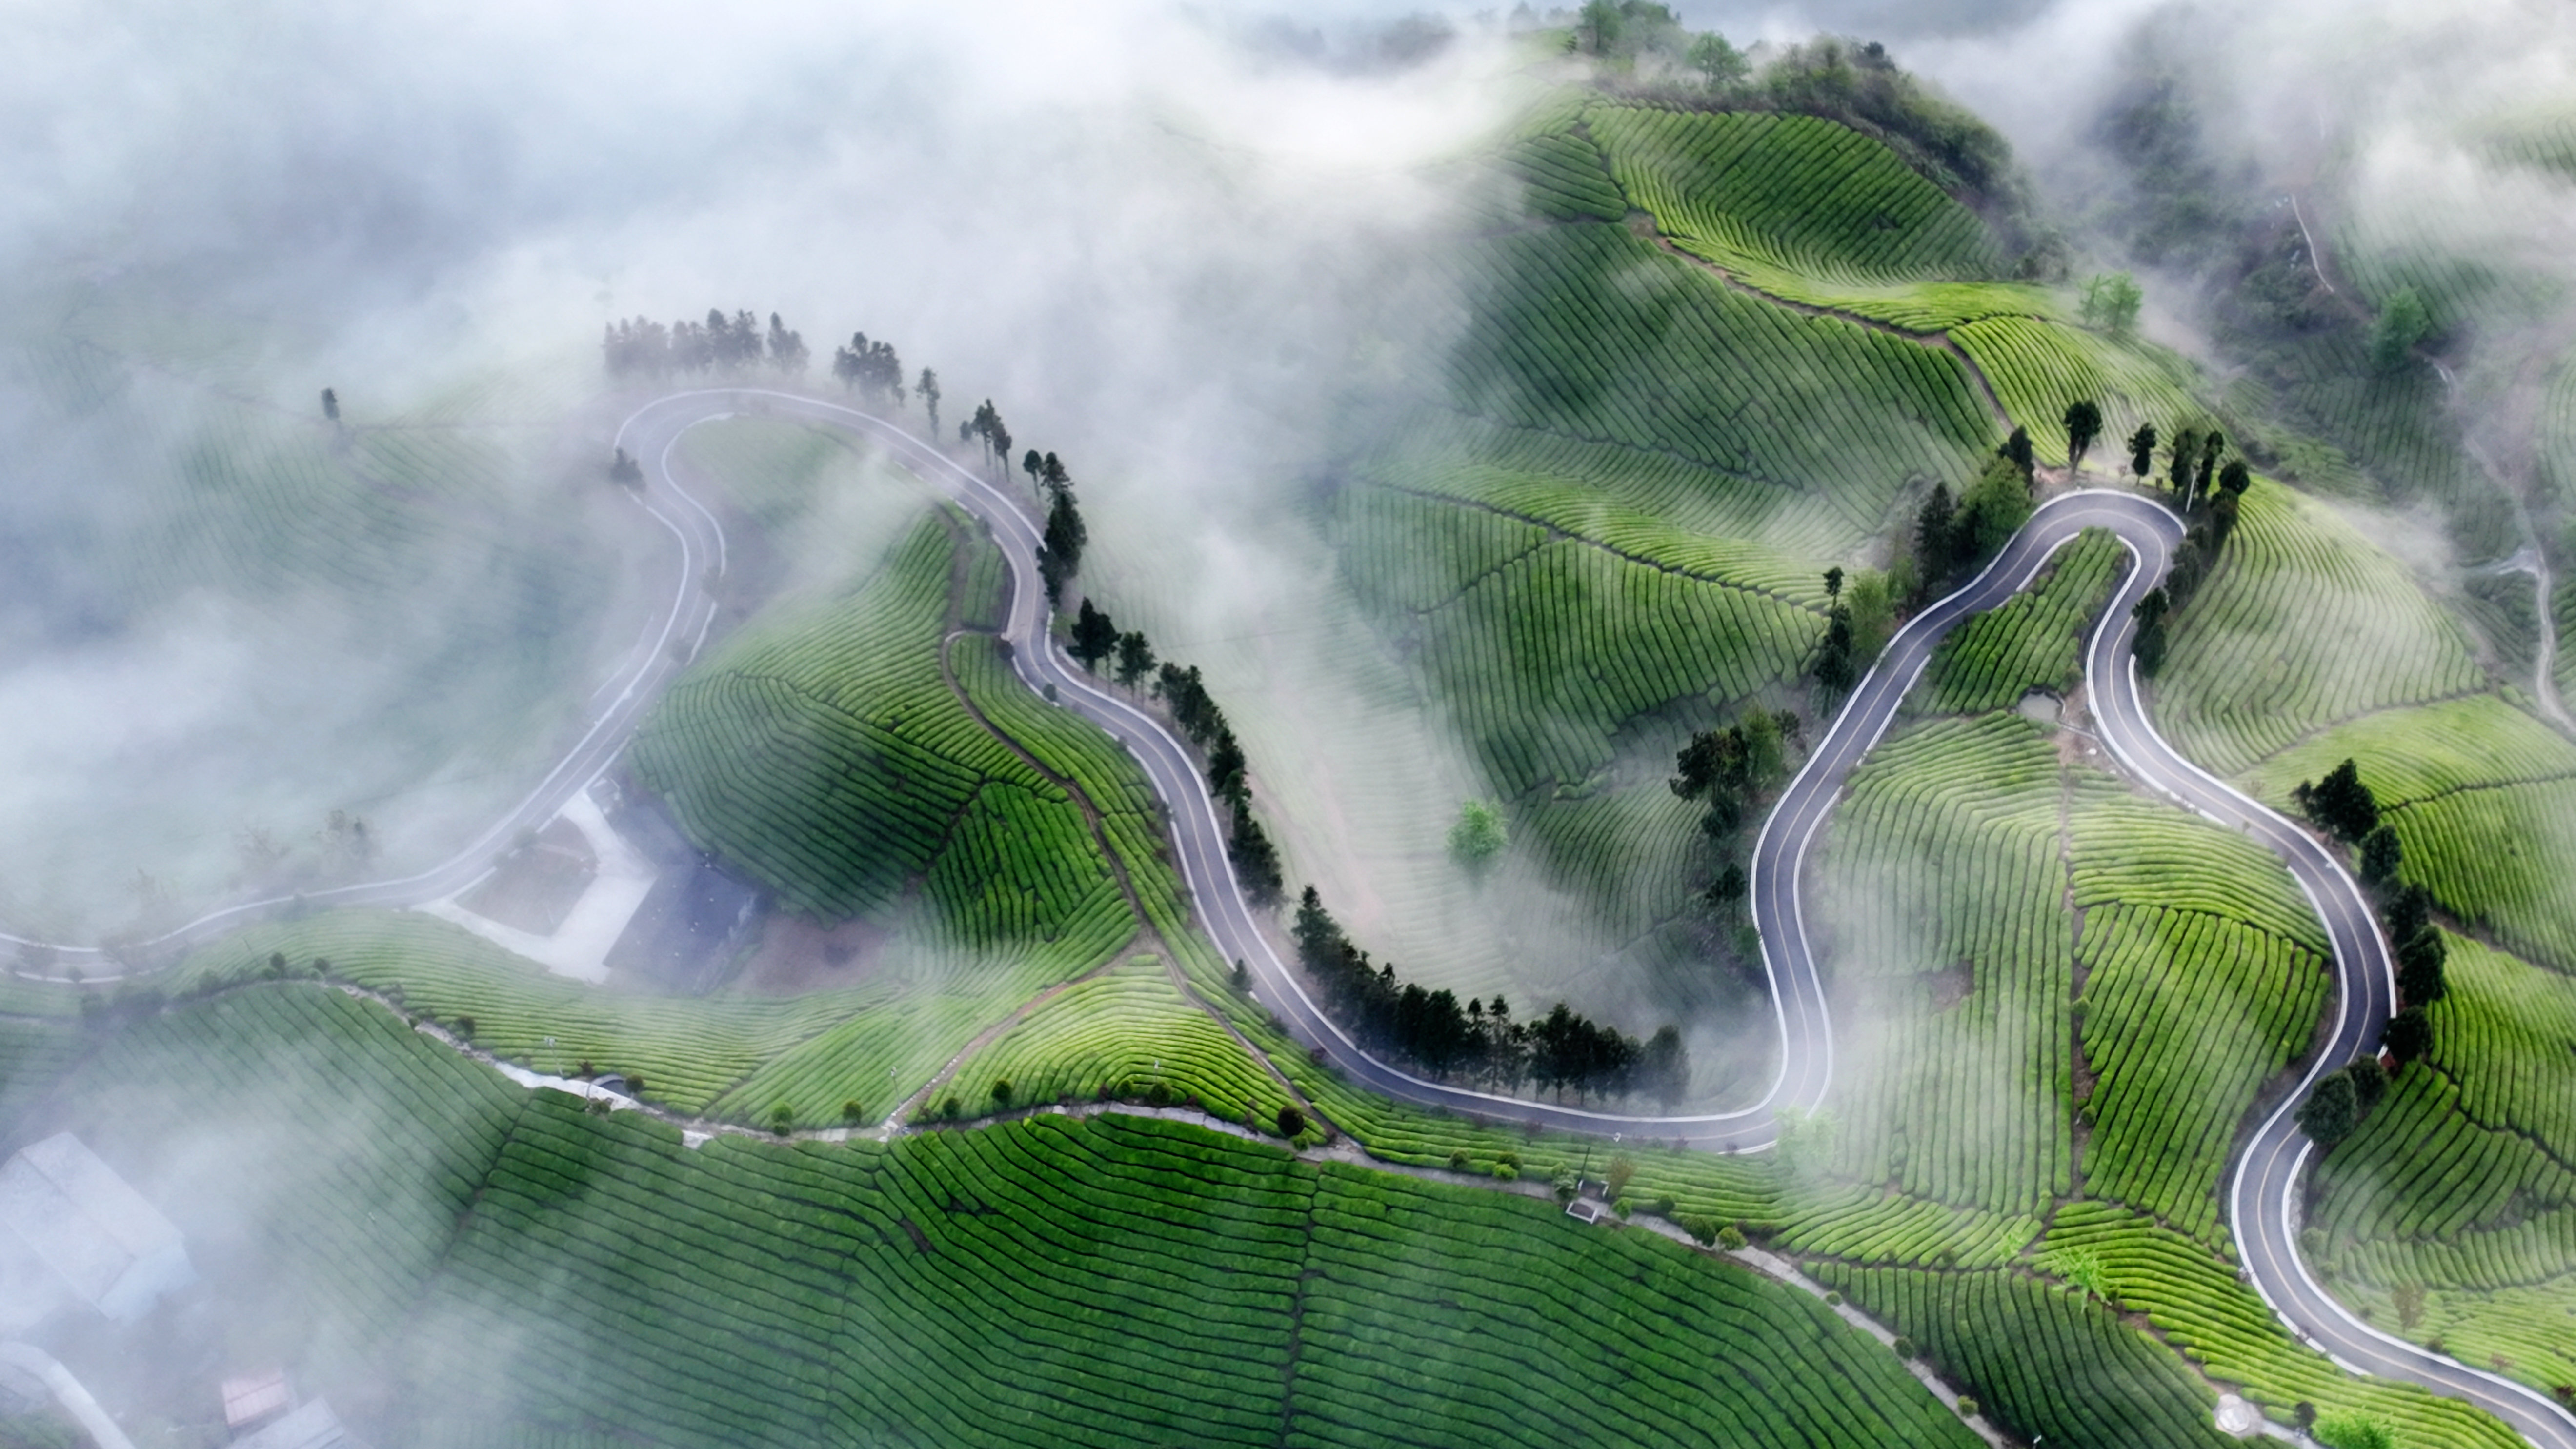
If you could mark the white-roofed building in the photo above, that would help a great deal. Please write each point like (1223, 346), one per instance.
(71, 1230)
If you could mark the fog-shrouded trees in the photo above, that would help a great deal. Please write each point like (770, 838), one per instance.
(871, 369)
(1256, 860)
(2111, 303)
(1094, 637)
(331, 404)
(1562, 1051)
(986, 426)
(1721, 66)
(787, 351)
(1065, 536)
(1135, 658)
(2083, 426)
(642, 348)
(2403, 322)
(928, 387)
(1730, 771)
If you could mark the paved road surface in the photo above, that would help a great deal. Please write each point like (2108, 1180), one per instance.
(2263, 1194)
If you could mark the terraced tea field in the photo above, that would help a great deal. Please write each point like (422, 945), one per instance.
(2304, 624)
(2458, 1186)
(1059, 1281)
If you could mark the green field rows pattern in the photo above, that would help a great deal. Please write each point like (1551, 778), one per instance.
(2305, 623)
(1804, 194)
(1943, 861)
(2185, 1016)
(2483, 800)
(2048, 1363)
(2032, 641)
(2037, 368)
(1565, 177)
(827, 755)
(2195, 1300)
(1544, 645)
(2463, 1182)
(1058, 1281)
(1871, 1225)
(1121, 1031)
(1588, 331)
(727, 1056)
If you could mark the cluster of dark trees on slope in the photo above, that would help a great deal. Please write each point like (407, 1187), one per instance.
(1480, 1041)
(2344, 806)
(642, 347)
(2192, 468)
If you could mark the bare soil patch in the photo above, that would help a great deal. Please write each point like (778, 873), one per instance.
(798, 954)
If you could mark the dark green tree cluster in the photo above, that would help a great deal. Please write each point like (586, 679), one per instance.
(1731, 771)
(2407, 912)
(872, 368)
(2340, 802)
(1060, 546)
(2149, 645)
(1256, 859)
(2083, 427)
(1837, 666)
(927, 386)
(2340, 1099)
(640, 347)
(1953, 539)
(1562, 1051)
(2193, 469)
(986, 426)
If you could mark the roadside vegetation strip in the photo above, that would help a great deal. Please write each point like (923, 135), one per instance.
(2185, 1016)
(1568, 314)
(2195, 1300)
(2037, 368)
(2031, 642)
(2304, 623)
(1126, 1034)
(2039, 1360)
(1942, 875)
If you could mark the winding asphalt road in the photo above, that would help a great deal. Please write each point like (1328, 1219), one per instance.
(669, 640)
(2264, 1192)
(2264, 1196)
